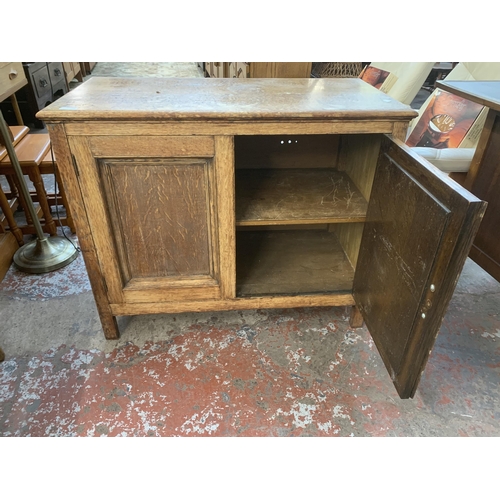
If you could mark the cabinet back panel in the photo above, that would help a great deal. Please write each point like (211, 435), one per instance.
(286, 151)
(161, 217)
(290, 263)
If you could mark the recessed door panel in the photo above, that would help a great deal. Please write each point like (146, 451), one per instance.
(160, 216)
(418, 232)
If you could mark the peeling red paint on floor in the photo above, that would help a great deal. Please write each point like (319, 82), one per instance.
(290, 372)
(301, 372)
(215, 381)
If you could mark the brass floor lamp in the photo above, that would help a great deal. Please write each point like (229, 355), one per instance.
(44, 254)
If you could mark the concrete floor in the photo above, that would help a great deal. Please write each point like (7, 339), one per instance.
(287, 372)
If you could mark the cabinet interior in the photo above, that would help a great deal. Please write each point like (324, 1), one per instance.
(301, 202)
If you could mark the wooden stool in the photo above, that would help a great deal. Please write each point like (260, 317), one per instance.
(18, 132)
(31, 150)
(8, 201)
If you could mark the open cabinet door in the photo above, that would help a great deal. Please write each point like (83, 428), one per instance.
(420, 226)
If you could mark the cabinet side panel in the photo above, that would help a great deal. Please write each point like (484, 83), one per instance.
(85, 236)
(349, 236)
(90, 186)
(358, 158)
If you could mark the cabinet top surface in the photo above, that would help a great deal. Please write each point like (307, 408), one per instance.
(486, 93)
(225, 99)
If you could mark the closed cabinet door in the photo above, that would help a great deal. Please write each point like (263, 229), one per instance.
(419, 229)
(155, 214)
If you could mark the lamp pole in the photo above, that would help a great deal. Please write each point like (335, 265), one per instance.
(44, 254)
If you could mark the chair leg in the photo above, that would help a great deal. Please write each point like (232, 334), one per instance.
(37, 181)
(13, 187)
(5, 206)
(22, 201)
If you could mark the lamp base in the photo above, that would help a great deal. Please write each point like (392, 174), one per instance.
(45, 255)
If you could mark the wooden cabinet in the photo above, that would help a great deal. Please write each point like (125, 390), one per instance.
(46, 83)
(258, 70)
(483, 177)
(86, 68)
(199, 195)
(73, 70)
(11, 79)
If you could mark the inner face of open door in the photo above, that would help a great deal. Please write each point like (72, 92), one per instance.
(417, 235)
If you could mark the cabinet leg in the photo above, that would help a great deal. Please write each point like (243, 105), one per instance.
(109, 325)
(356, 319)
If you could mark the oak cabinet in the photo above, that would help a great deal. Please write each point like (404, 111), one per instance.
(198, 195)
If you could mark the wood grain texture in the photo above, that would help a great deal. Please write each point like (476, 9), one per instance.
(486, 186)
(358, 159)
(483, 177)
(18, 133)
(290, 263)
(149, 147)
(280, 69)
(402, 250)
(86, 238)
(319, 300)
(292, 196)
(8, 247)
(400, 130)
(244, 127)
(30, 151)
(349, 236)
(355, 318)
(401, 258)
(226, 235)
(160, 216)
(164, 291)
(482, 144)
(225, 99)
(97, 215)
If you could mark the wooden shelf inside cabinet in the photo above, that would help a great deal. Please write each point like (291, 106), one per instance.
(295, 195)
(290, 263)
